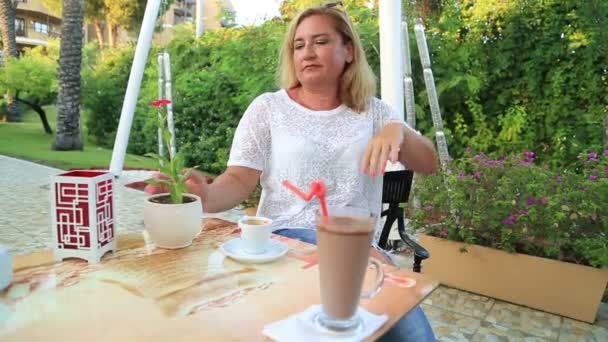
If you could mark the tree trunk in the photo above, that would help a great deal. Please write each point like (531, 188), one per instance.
(7, 28)
(99, 33)
(9, 49)
(115, 35)
(41, 113)
(13, 109)
(112, 31)
(70, 58)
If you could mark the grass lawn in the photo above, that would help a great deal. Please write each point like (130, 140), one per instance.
(27, 140)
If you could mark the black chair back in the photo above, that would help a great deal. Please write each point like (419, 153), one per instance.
(396, 190)
(397, 186)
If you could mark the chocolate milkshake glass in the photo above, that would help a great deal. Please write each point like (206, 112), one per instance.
(343, 243)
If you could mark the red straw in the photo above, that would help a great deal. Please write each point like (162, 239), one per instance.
(317, 188)
(320, 188)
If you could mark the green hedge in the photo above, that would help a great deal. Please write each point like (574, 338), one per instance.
(521, 75)
(103, 92)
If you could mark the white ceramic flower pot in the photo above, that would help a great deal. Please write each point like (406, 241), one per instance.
(172, 226)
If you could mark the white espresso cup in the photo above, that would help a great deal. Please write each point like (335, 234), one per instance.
(255, 233)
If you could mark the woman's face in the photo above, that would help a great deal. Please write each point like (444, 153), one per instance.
(319, 53)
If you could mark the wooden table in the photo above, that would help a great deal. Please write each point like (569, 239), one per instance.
(142, 293)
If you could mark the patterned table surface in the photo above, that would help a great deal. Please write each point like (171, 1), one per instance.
(143, 293)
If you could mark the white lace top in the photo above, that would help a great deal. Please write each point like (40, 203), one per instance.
(287, 141)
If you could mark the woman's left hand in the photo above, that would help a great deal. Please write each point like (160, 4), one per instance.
(384, 146)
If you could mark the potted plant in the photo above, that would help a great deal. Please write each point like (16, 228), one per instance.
(517, 231)
(172, 219)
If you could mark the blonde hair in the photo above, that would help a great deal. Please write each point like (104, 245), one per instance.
(357, 83)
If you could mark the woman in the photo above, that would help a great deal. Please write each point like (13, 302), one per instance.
(323, 124)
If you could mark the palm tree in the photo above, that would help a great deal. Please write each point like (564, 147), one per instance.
(9, 48)
(70, 57)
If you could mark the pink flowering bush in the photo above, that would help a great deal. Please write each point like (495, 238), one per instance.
(513, 204)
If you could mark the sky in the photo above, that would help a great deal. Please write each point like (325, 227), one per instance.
(250, 12)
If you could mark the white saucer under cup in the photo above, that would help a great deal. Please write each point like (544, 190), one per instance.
(274, 250)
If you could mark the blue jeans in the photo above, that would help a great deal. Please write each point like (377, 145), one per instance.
(414, 326)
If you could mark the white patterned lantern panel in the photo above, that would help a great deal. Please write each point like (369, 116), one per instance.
(83, 215)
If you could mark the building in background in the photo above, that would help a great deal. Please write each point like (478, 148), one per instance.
(184, 11)
(35, 24)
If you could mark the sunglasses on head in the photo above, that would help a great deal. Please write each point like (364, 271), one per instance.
(334, 4)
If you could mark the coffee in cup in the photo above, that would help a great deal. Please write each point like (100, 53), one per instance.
(255, 222)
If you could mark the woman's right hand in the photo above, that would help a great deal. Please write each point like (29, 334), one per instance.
(197, 184)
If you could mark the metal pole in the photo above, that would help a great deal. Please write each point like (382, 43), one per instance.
(168, 96)
(200, 11)
(429, 82)
(161, 85)
(410, 98)
(137, 71)
(408, 82)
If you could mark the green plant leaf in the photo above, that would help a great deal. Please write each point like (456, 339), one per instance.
(167, 138)
(166, 170)
(176, 195)
(155, 181)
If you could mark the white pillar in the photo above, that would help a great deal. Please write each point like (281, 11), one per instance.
(200, 11)
(391, 61)
(137, 72)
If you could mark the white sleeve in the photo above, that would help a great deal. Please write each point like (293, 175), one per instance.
(251, 142)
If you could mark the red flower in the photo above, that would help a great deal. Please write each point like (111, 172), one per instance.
(160, 103)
